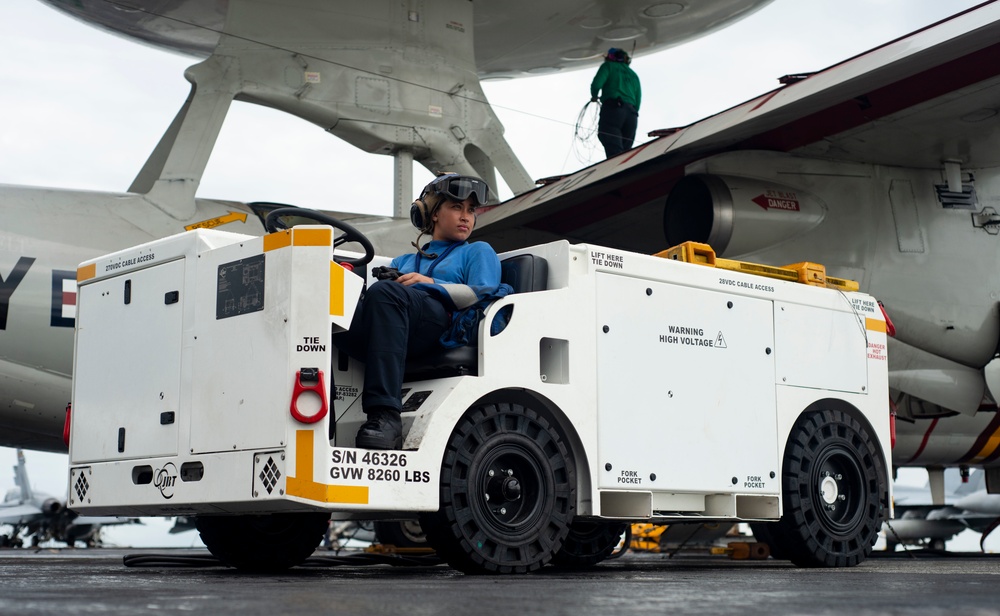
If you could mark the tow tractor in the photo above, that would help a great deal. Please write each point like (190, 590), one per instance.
(609, 388)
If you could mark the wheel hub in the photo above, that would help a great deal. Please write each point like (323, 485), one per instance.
(503, 487)
(511, 489)
(829, 490)
(512, 492)
(839, 493)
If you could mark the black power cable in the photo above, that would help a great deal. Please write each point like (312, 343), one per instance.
(316, 560)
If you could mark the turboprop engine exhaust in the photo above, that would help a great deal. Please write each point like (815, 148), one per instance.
(737, 215)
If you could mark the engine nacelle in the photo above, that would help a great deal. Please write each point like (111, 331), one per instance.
(51, 506)
(738, 215)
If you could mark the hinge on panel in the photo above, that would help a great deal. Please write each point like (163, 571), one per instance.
(987, 220)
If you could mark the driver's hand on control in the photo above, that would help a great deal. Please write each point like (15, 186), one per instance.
(413, 278)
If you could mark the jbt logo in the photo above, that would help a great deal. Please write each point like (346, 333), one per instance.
(166, 479)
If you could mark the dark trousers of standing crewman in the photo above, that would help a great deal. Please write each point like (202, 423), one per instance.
(616, 127)
(392, 322)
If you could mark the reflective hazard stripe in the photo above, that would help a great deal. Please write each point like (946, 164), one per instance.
(336, 289)
(875, 325)
(303, 486)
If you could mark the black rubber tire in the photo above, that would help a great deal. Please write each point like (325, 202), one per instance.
(830, 461)
(589, 542)
(516, 519)
(263, 542)
(401, 533)
(765, 532)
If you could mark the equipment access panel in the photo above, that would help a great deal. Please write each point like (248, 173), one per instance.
(132, 339)
(686, 391)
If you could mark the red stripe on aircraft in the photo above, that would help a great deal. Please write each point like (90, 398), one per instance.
(864, 108)
(633, 152)
(68, 298)
(765, 98)
(923, 443)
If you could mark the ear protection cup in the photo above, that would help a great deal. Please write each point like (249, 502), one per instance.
(418, 214)
(422, 211)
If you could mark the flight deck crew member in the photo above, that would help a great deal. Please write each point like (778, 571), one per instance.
(414, 314)
(621, 96)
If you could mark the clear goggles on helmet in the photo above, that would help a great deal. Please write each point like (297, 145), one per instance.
(460, 187)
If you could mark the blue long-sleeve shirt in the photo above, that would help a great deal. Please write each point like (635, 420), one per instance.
(466, 279)
(465, 275)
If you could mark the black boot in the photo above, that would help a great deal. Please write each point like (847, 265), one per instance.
(383, 430)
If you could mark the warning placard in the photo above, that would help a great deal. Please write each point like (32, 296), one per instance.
(692, 336)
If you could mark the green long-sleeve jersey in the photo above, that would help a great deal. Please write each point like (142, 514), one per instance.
(615, 80)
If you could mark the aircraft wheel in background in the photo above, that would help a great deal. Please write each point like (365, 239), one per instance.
(401, 533)
(589, 542)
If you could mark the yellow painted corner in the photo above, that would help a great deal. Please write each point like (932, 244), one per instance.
(312, 237)
(274, 241)
(86, 272)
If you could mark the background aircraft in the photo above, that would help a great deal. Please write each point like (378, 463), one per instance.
(40, 517)
(680, 86)
(967, 506)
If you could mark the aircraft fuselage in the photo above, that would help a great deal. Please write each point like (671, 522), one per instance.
(46, 233)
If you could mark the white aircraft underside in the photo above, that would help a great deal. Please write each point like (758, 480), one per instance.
(883, 168)
(388, 77)
(512, 38)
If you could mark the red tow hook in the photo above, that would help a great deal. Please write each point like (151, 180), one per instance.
(890, 329)
(315, 377)
(892, 424)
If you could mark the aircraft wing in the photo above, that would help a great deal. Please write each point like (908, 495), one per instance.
(903, 103)
(19, 514)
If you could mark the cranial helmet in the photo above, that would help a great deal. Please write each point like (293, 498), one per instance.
(446, 186)
(618, 55)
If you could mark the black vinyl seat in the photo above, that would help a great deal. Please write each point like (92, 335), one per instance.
(524, 273)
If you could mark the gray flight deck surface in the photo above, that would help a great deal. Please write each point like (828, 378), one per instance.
(96, 581)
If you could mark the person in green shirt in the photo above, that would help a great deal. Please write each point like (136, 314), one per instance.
(620, 96)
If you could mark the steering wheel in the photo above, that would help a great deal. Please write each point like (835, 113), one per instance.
(273, 224)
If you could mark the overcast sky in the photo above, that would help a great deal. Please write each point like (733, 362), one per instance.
(83, 109)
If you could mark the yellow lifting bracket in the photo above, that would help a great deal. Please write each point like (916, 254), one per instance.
(806, 273)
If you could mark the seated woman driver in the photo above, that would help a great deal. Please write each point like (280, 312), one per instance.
(412, 315)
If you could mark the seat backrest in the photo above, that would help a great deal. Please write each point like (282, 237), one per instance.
(525, 273)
